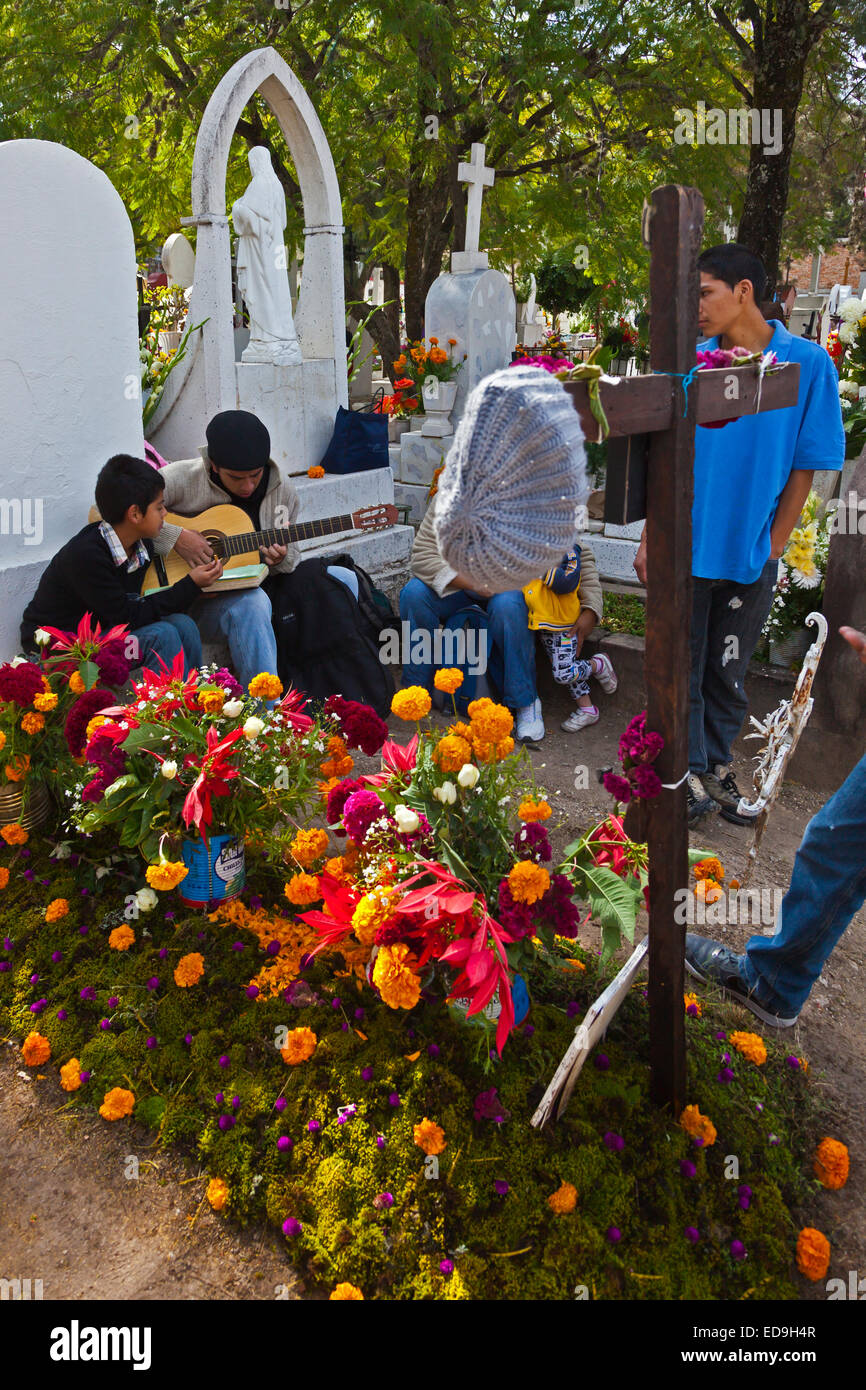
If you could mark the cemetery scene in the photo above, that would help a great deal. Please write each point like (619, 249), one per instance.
(433, 658)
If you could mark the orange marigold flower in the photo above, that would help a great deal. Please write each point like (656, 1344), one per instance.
(449, 679)
(14, 834)
(189, 969)
(166, 874)
(2, 740)
(530, 810)
(300, 1046)
(564, 1199)
(813, 1253)
(451, 753)
(346, 1293)
(217, 1193)
(121, 938)
(325, 787)
(429, 1137)
(707, 890)
(708, 868)
(57, 908)
(35, 1050)
(95, 723)
(698, 1125)
(490, 722)
(693, 1005)
(751, 1045)
(45, 702)
(434, 342)
(831, 1164)
(452, 342)
(303, 889)
(264, 686)
(4, 877)
(18, 768)
(395, 977)
(461, 730)
(336, 867)
(212, 701)
(76, 683)
(528, 881)
(70, 1074)
(411, 703)
(117, 1104)
(308, 846)
(317, 471)
(372, 912)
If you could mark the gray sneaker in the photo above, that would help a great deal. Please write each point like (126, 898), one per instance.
(715, 964)
(719, 783)
(698, 804)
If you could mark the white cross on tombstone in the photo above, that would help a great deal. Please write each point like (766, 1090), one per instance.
(479, 177)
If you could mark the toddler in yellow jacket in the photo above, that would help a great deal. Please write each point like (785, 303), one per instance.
(554, 607)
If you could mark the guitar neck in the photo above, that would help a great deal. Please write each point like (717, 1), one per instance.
(284, 535)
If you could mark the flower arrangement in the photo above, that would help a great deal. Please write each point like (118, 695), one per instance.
(638, 749)
(800, 585)
(418, 361)
(168, 312)
(621, 338)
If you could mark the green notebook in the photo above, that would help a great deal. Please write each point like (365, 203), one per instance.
(239, 572)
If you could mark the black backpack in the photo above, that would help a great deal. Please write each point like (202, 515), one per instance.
(327, 643)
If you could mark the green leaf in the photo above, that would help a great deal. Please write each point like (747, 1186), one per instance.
(89, 673)
(613, 900)
(121, 784)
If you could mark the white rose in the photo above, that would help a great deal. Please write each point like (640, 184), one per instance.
(18, 661)
(232, 708)
(253, 727)
(847, 387)
(41, 637)
(406, 819)
(146, 899)
(468, 775)
(169, 769)
(851, 310)
(847, 332)
(447, 793)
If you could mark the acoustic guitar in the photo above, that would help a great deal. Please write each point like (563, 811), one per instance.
(227, 529)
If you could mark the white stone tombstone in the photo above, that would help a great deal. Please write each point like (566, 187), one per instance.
(479, 177)
(297, 403)
(70, 376)
(477, 309)
(178, 260)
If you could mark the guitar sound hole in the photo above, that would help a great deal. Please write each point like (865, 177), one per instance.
(216, 541)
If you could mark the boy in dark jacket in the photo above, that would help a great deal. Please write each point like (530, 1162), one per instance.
(100, 571)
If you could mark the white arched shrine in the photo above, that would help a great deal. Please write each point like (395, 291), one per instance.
(209, 379)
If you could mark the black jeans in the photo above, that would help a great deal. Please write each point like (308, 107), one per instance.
(727, 619)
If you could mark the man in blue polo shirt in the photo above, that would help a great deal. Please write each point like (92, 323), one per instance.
(751, 480)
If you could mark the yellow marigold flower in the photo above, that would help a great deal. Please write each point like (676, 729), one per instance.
(76, 683)
(264, 686)
(19, 767)
(411, 703)
(504, 747)
(303, 889)
(14, 834)
(528, 882)
(166, 874)
(461, 730)
(698, 1125)
(395, 978)
(117, 1104)
(35, 1050)
(308, 846)
(45, 702)
(96, 722)
(751, 1046)
(693, 1005)
(57, 908)
(708, 868)
(32, 723)
(189, 969)
(371, 913)
(121, 938)
(564, 1199)
(346, 1293)
(813, 1253)
(317, 471)
(212, 701)
(707, 890)
(217, 1193)
(831, 1164)
(490, 722)
(300, 1046)
(530, 810)
(452, 752)
(336, 867)
(70, 1074)
(4, 877)
(2, 740)
(429, 1137)
(449, 679)
(325, 787)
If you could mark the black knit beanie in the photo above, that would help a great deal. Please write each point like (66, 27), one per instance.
(236, 440)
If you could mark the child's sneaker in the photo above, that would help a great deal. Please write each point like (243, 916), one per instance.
(606, 677)
(580, 719)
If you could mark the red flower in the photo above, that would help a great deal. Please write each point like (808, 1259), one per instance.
(291, 708)
(397, 758)
(213, 780)
(80, 715)
(20, 684)
(361, 726)
(89, 639)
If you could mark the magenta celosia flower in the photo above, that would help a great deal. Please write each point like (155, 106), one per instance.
(501, 1187)
(738, 1249)
(226, 681)
(693, 1234)
(337, 798)
(532, 842)
(619, 787)
(647, 783)
(291, 1227)
(687, 1168)
(359, 812)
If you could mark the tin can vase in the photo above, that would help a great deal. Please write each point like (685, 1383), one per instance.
(30, 813)
(216, 871)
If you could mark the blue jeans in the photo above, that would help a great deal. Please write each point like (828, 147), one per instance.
(827, 887)
(727, 619)
(243, 620)
(511, 658)
(166, 638)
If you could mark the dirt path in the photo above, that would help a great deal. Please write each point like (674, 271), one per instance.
(69, 1216)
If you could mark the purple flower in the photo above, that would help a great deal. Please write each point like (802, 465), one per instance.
(105, 1024)
(488, 1106)
(187, 1037)
(693, 1234)
(367, 1074)
(236, 1100)
(528, 1030)
(82, 931)
(532, 842)
(744, 1203)
(255, 902)
(162, 952)
(692, 1010)
(306, 959)
(359, 1014)
(113, 1002)
(614, 1234)
(744, 1190)
(380, 1141)
(226, 1122)
(433, 1050)
(251, 991)
(151, 1043)
(8, 943)
(501, 1186)
(4, 966)
(313, 1126)
(223, 1061)
(88, 994)
(34, 979)
(85, 1075)
(446, 1266)
(726, 1076)
(383, 1201)
(169, 916)
(697, 1140)
(291, 1227)
(572, 1009)
(738, 1250)
(153, 982)
(62, 1015)
(394, 1099)
(237, 945)
(28, 874)
(336, 1002)
(602, 1061)
(38, 1006)
(280, 1103)
(614, 1141)
(687, 1168)
(272, 948)
(359, 812)
(57, 956)
(285, 1144)
(344, 1027)
(793, 1062)
(219, 1098)
(721, 1036)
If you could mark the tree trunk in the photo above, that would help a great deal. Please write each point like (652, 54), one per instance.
(784, 36)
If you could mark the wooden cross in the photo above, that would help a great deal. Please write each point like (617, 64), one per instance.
(656, 406)
(478, 176)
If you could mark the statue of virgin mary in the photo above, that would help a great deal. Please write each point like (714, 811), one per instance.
(259, 218)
